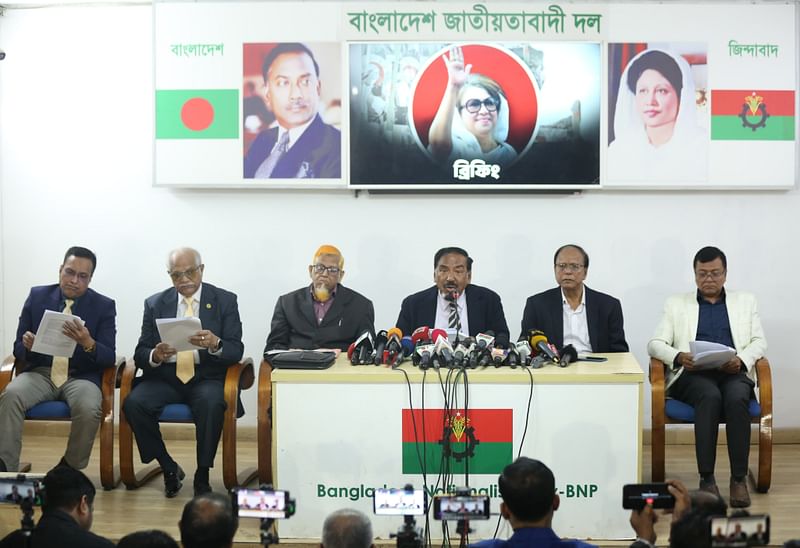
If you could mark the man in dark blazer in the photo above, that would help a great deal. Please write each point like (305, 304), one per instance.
(75, 380)
(302, 145)
(325, 314)
(593, 319)
(454, 303)
(195, 377)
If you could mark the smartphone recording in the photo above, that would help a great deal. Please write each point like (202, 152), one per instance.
(636, 495)
(399, 502)
(18, 489)
(738, 532)
(260, 503)
(456, 507)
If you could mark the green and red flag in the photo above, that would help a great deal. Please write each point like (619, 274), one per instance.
(752, 115)
(439, 440)
(197, 114)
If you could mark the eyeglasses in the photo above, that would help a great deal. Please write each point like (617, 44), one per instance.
(713, 274)
(474, 105)
(82, 276)
(321, 269)
(569, 267)
(188, 273)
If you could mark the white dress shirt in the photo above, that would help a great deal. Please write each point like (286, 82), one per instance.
(576, 326)
(443, 315)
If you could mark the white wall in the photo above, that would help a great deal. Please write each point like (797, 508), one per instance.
(76, 135)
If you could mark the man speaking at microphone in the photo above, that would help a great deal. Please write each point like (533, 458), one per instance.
(325, 314)
(572, 313)
(454, 303)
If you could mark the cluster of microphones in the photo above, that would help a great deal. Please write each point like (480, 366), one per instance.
(428, 348)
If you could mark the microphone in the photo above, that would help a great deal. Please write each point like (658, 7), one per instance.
(350, 352)
(443, 349)
(483, 344)
(523, 348)
(540, 344)
(363, 349)
(380, 345)
(462, 351)
(512, 357)
(424, 351)
(498, 355)
(421, 335)
(393, 345)
(568, 355)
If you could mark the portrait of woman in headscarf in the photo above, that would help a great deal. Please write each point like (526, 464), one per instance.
(472, 119)
(657, 134)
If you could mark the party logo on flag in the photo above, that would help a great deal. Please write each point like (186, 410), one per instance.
(197, 114)
(478, 441)
(742, 115)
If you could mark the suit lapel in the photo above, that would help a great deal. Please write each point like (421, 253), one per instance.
(475, 313)
(208, 304)
(334, 311)
(592, 317)
(307, 307)
(557, 320)
(694, 314)
(169, 304)
(732, 305)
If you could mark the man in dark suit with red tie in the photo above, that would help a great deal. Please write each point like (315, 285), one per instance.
(454, 303)
(194, 377)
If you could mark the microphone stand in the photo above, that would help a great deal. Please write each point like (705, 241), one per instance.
(462, 528)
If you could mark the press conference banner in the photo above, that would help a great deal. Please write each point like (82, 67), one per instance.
(492, 95)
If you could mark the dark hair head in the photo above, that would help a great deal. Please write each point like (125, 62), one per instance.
(64, 487)
(147, 539)
(708, 502)
(692, 530)
(83, 253)
(708, 254)
(659, 61)
(286, 47)
(446, 251)
(576, 246)
(208, 521)
(791, 544)
(528, 488)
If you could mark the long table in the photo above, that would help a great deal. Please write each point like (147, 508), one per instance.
(340, 432)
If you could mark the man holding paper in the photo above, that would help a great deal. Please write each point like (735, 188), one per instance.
(730, 319)
(195, 376)
(86, 331)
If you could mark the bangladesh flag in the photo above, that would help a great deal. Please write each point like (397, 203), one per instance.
(747, 115)
(480, 438)
(197, 114)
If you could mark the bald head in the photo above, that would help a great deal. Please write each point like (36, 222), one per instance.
(347, 528)
(208, 521)
(184, 254)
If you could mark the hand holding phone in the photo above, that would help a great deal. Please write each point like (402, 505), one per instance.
(636, 496)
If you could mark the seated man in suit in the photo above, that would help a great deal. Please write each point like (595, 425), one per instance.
(194, 377)
(454, 303)
(325, 314)
(75, 380)
(302, 145)
(730, 318)
(572, 313)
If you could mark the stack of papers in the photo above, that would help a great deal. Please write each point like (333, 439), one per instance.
(50, 339)
(709, 355)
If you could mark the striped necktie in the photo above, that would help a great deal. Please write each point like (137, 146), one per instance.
(264, 171)
(454, 319)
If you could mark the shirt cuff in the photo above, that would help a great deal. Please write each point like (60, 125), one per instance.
(218, 351)
(152, 363)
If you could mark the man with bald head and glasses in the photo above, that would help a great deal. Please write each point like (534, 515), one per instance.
(572, 313)
(194, 377)
(325, 314)
(727, 317)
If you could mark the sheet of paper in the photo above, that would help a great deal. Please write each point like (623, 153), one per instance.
(710, 355)
(50, 338)
(176, 332)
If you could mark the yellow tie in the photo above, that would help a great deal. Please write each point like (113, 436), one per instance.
(184, 369)
(60, 368)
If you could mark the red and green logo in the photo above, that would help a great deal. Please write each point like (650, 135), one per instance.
(747, 115)
(197, 114)
(478, 441)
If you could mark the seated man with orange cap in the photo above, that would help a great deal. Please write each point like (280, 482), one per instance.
(325, 314)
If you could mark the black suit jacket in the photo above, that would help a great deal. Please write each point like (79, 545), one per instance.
(219, 313)
(484, 312)
(56, 528)
(294, 324)
(317, 154)
(545, 311)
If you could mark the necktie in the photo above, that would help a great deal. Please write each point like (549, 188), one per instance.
(454, 320)
(184, 368)
(264, 171)
(60, 368)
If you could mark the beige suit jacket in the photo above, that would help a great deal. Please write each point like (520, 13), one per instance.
(678, 327)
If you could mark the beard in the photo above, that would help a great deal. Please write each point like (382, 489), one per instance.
(321, 293)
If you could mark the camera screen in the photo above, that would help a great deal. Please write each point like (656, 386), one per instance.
(636, 495)
(740, 531)
(399, 502)
(455, 507)
(260, 503)
(15, 491)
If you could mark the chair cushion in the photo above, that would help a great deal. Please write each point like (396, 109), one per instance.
(678, 410)
(176, 412)
(49, 410)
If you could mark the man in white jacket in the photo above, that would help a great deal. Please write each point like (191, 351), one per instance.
(729, 318)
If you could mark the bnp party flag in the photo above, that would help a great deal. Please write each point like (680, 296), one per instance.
(479, 441)
(197, 114)
(752, 115)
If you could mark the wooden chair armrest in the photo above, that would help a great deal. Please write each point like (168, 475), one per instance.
(764, 375)
(6, 371)
(264, 428)
(109, 381)
(126, 383)
(239, 376)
